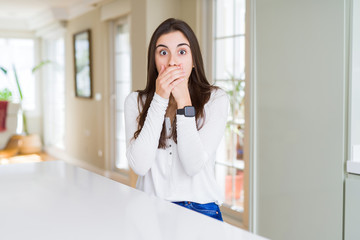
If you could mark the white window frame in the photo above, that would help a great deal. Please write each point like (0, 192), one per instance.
(48, 120)
(36, 111)
(121, 175)
(353, 151)
(239, 219)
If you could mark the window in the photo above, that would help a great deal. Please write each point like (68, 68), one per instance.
(19, 53)
(229, 73)
(353, 165)
(120, 90)
(54, 94)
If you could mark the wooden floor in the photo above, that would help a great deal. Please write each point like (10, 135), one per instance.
(36, 157)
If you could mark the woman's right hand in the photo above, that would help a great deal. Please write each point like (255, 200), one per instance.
(167, 79)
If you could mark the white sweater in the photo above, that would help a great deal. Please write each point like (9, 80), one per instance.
(183, 171)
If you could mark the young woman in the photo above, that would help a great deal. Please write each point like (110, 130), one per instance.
(174, 125)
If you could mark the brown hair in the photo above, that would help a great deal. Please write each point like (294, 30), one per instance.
(199, 87)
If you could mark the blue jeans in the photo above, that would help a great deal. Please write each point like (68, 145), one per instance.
(208, 209)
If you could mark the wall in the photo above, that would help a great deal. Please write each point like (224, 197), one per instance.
(300, 85)
(85, 117)
(352, 207)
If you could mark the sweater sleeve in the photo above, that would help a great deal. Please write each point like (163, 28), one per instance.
(141, 152)
(196, 148)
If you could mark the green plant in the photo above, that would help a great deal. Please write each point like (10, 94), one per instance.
(235, 90)
(234, 127)
(3, 70)
(34, 69)
(236, 94)
(5, 94)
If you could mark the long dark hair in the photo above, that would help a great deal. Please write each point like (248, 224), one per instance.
(199, 87)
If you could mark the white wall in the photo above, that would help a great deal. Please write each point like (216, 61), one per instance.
(352, 208)
(300, 58)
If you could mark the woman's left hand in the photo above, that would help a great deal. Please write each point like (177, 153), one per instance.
(181, 94)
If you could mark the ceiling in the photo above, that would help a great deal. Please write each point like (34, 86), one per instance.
(31, 14)
(24, 9)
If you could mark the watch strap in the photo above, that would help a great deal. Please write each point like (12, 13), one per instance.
(187, 111)
(180, 111)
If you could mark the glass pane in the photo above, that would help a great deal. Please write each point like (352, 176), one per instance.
(234, 193)
(122, 67)
(239, 64)
(123, 87)
(4, 62)
(123, 38)
(224, 18)
(231, 182)
(54, 106)
(224, 58)
(23, 57)
(239, 145)
(240, 17)
(122, 91)
(20, 53)
(229, 74)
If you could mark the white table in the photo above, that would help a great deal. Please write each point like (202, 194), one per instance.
(54, 200)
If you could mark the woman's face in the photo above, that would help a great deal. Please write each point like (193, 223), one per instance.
(173, 49)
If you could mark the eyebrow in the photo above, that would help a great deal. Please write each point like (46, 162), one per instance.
(182, 44)
(179, 45)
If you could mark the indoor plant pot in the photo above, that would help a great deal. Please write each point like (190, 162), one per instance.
(3, 110)
(5, 97)
(30, 144)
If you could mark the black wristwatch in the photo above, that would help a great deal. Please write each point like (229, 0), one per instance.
(187, 111)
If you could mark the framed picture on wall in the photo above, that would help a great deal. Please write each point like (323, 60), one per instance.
(82, 64)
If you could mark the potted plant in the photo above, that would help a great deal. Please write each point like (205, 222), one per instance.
(31, 143)
(5, 97)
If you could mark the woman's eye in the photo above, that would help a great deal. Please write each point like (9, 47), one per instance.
(182, 52)
(163, 52)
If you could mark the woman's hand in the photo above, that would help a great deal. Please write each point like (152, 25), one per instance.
(168, 79)
(181, 94)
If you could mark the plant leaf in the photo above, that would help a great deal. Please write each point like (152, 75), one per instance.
(17, 82)
(3, 69)
(5, 95)
(42, 63)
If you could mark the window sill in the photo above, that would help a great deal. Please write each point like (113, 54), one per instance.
(353, 167)
(238, 164)
(233, 217)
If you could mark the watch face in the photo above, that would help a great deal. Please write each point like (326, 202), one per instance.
(189, 111)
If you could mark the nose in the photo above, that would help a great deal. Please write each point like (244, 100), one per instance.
(173, 61)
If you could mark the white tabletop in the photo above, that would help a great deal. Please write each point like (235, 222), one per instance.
(55, 200)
